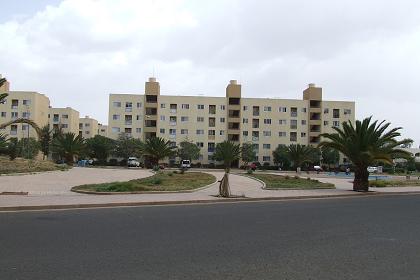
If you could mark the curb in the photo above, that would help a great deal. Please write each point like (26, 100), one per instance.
(193, 202)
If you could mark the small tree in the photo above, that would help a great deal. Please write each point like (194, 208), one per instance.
(28, 148)
(280, 156)
(100, 147)
(12, 148)
(188, 150)
(3, 144)
(126, 147)
(299, 154)
(330, 157)
(248, 153)
(228, 152)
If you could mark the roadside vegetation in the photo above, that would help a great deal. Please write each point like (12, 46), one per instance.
(290, 182)
(394, 183)
(162, 181)
(20, 165)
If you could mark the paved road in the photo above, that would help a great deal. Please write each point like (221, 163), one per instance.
(351, 238)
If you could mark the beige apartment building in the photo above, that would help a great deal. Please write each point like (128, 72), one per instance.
(103, 130)
(88, 127)
(66, 119)
(23, 104)
(206, 121)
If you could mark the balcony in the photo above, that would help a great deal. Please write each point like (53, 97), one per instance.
(234, 113)
(234, 101)
(233, 137)
(151, 111)
(128, 122)
(173, 111)
(129, 109)
(172, 123)
(13, 132)
(150, 123)
(212, 137)
(212, 109)
(315, 116)
(315, 104)
(172, 136)
(233, 126)
(151, 98)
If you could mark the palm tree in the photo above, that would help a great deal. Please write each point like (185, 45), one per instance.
(228, 152)
(157, 148)
(300, 154)
(365, 144)
(68, 145)
(45, 138)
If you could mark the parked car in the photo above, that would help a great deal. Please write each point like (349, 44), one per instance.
(133, 162)
(185, 163)
(372, 169)
(253, 166)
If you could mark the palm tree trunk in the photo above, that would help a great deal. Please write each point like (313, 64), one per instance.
(224, 189)
(361, 180)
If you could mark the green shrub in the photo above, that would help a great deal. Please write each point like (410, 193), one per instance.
(156, 168)
(156, 181)
(175, 172)
(297, 177)
(170, 174)
(287, 177)
(249, 171)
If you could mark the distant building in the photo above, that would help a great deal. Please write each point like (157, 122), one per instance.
(88, 127)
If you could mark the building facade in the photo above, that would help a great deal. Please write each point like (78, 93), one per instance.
(64, 119)
(206, 121)
(24, 104)
(103, 130)
(88, 127)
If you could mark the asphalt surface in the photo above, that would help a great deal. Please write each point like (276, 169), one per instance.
(350, 238)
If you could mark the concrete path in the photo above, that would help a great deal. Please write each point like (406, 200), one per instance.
(53, 188)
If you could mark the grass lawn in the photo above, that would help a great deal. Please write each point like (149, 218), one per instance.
(20, 165)
(162, 181)
(285, 182)
(394, 183)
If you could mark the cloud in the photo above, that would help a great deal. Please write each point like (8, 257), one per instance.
(80, 50)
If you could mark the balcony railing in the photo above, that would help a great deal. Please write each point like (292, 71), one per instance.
(128, 122)
(173, 111)
(255, 138)
(172, 123)
(13, 132)
(128, 109)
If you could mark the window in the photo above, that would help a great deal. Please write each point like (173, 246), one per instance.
(244, 120)
(87, 132)
(26, 102)
(210, 147)
(200, 107)
(293, 136)
(138, 117)
(128, 106)
(267, 133)
(303, 110)
(282, 109)
(293, 124)
(347, 111)
(13, 129)
(138, 130)
(184, 119)
(64, 125)
(293, 112)
(212, 109)
(222, 132)
(65, 116)
(267, 108)
(184, 131)
(326, 111)
(56, 117)
(303, 122)
(266, 146)
(115, 117)
(255, 110)
(222, 107)
(14, 115)
(267, 121)
(115, 129)
(245, 108)
(172, 131)
(173, 108)
(3, 114)
(245, 133)
(336, 124)
(266, 158)
(303, 134)
(139, 105)
(200, 119)
(162, 118)
(282, 122)
(87, 124)
(222, 120)
(26, 115)
(116, 104)
(172, 120)
(200, 144)
(336, 113)
(212, 132)
(212, 122)
(162, 131)
(325, 123)
(282, 134)
(200, 131)
(185, 106)
(15, 103)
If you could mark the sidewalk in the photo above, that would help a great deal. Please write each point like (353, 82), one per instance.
(52, 190)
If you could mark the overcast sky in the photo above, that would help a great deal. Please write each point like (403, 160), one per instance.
(79, 51)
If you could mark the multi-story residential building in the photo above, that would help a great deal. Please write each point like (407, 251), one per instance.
(103, 130)
(88, 127)
(23, 104)
(206, 121)
(65, 119)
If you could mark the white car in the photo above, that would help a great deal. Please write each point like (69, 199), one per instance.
(372, 169)
(133, 162)
(185, 163)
